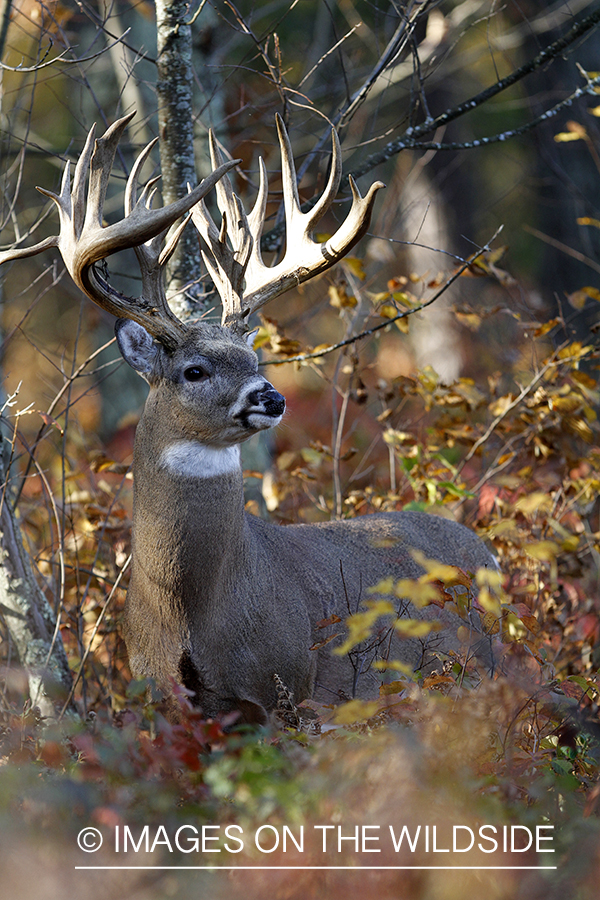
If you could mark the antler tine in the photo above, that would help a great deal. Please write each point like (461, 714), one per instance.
(303, 257)
(153, 255)
(83, 240)
(226, 262)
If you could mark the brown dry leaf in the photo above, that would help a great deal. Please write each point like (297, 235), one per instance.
(339, 298)
(319, 644)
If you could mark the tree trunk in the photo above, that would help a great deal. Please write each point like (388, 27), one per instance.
(176, 132)
(30, 620)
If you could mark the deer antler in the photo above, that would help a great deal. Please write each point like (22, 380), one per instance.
(84, 241)
(242, 279)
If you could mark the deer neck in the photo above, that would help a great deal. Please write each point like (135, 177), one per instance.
(189, 527)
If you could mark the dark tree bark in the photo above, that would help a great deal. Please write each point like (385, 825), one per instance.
(176, 133)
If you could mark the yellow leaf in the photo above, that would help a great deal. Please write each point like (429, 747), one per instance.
(418, 592)
(356, 266)
(429, 378)
(570, 543)
(532, 503)
(513, 628)
(339, 299)
(501, 405)
(575, 132)
(393, 687)
(356, 711)
(581, 428)
(361, 624)
(405, 298)
(578, 298)
(434, 680)
(490, 623)
(583, 379)
(490, 577)
(469, 392)
(490, 603)
(594, 110)
(586, 220)
(311, 456)
(386, 586)
(565, 136)
(262, 338)
(437, 571)
(546, 327)
(413, 628)
(393, 665)
(544, 551)
(575, 350)
(393, 436)
(285, 459)
(470, 320)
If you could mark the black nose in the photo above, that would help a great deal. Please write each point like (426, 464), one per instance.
(271, 400)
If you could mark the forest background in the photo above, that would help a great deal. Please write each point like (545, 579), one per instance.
(474, 394)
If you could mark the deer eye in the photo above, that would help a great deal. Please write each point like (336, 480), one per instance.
(195, 373)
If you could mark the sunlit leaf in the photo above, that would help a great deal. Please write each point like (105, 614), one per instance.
(414, 628)
(356, 266)
(356, 711)
(339, 298)
(360, 625)
(470, 320)
(544, 551)
(421, 593)
(575, 132)
(536, 502)
(587, 220)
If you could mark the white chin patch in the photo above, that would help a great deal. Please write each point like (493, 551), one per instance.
(195, 460)
(260, 421)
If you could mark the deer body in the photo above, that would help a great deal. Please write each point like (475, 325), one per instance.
(219, 600)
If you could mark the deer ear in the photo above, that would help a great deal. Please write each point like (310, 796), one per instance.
(251, 337)
(136, 345)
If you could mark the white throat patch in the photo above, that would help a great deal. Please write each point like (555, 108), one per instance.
(195, 460)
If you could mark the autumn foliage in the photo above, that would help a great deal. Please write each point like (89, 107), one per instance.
(515, 454)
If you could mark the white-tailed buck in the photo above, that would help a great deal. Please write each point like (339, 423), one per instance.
(219, 600)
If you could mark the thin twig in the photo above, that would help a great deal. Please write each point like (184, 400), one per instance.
(315, 354)
(99, 621)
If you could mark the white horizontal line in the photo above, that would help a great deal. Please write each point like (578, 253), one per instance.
(313, 868)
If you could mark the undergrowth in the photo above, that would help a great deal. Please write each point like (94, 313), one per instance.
(516, 456)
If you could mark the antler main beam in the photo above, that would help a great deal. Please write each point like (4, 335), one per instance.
(83, 239)
(241, 277)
